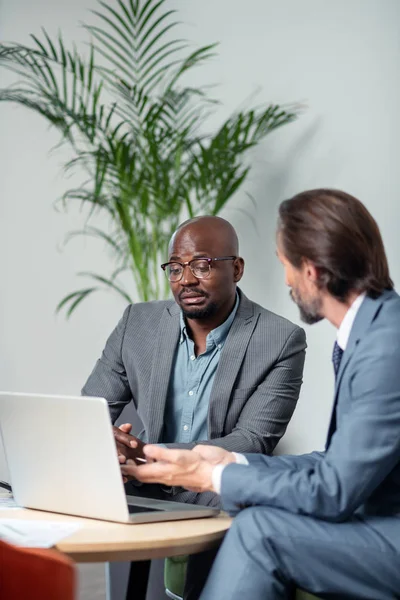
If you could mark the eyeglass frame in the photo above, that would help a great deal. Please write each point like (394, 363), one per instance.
(187, 264)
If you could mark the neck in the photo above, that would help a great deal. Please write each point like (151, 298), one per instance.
(334, 310)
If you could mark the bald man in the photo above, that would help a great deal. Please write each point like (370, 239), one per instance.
(209, 367)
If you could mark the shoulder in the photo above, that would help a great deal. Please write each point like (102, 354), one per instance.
(390, 308)
(272, 325)
(150, 310)
(268, 319)
(378, 343)
(385, 326)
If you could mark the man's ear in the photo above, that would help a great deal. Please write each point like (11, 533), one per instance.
(311, 271)
(238, 268)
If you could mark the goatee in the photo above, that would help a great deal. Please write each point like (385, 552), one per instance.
(200, 313)
(310, 311)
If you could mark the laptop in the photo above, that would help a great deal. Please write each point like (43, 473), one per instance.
(61, 457)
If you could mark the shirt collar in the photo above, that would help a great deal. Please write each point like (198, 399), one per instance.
(218, 335)
(343, 333)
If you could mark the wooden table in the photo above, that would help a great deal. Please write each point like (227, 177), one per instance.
(103, 541)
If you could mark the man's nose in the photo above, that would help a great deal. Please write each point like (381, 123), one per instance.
(187, 277)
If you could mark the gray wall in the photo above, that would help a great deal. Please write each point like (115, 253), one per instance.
(340, 59)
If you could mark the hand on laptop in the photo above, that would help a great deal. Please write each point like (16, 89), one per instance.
(186, 468)
(128, 446)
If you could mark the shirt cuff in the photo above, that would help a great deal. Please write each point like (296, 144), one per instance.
(240, 458)
(216, 474)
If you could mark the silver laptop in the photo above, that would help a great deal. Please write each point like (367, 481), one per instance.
(61, 457)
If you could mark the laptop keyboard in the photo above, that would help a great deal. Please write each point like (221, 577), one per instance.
(134, 509)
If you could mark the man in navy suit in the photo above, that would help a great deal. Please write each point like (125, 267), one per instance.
(326, 522)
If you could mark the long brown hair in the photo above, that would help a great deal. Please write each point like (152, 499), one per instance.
(336, 232)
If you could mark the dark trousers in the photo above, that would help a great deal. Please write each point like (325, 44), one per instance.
(199, 565)
(140, 570)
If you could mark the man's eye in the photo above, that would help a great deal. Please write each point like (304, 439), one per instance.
(203, 266)
(174, 270)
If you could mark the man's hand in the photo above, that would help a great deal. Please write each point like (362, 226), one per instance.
(214, 454)
(184, 468)
(128, 446)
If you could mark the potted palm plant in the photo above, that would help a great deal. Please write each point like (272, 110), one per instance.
(137, 132)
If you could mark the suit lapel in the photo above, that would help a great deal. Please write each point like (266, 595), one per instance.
(167, 339)
(229, 364)
(362, 322)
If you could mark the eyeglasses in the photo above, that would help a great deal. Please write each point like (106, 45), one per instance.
(200, 267)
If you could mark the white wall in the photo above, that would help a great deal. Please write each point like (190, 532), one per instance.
(340, 58)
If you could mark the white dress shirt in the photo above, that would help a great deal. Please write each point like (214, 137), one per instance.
(342, 337)
(343, 333)
(216, 474)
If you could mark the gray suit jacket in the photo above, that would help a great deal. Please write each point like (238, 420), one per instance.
(256, 385)
(360, 470)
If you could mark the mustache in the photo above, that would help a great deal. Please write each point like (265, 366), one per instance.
(190, 291)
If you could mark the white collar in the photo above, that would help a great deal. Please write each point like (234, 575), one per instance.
(343, 333)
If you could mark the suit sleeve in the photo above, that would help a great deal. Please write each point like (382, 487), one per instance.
(363, 451)
(108, 378)
(268, 410)
(285, 461)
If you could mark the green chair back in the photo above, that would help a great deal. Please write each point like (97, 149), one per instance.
(175, 575)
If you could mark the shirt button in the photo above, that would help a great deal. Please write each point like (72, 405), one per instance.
(191, 393)
(185, 427)
(219, 346)
(192, 357)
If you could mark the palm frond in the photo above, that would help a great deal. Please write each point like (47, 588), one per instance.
(138, 134)
(95, 232)
(108, 283)
(71, 301)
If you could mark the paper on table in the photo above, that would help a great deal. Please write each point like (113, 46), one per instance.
(35, 534)
(8, 502)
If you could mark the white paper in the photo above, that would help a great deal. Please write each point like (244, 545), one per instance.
(8, 502)
(35, 534)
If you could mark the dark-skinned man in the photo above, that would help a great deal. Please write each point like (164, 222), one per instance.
(208, 367)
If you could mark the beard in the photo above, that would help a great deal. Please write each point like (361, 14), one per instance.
(310, 312)
(195, 312)
(200, 313)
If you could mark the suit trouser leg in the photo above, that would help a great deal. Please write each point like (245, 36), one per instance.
(199, 565)
(268, 552)
(140, 570)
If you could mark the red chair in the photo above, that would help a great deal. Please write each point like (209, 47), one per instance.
(36, 574)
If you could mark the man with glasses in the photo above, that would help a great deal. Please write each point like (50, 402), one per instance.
(209, 366)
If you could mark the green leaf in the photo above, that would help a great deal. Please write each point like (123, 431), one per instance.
(108, 283)
(74, 300)
(96, 232)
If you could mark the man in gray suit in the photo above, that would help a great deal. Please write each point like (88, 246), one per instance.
(210, 367)
(327, 522)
